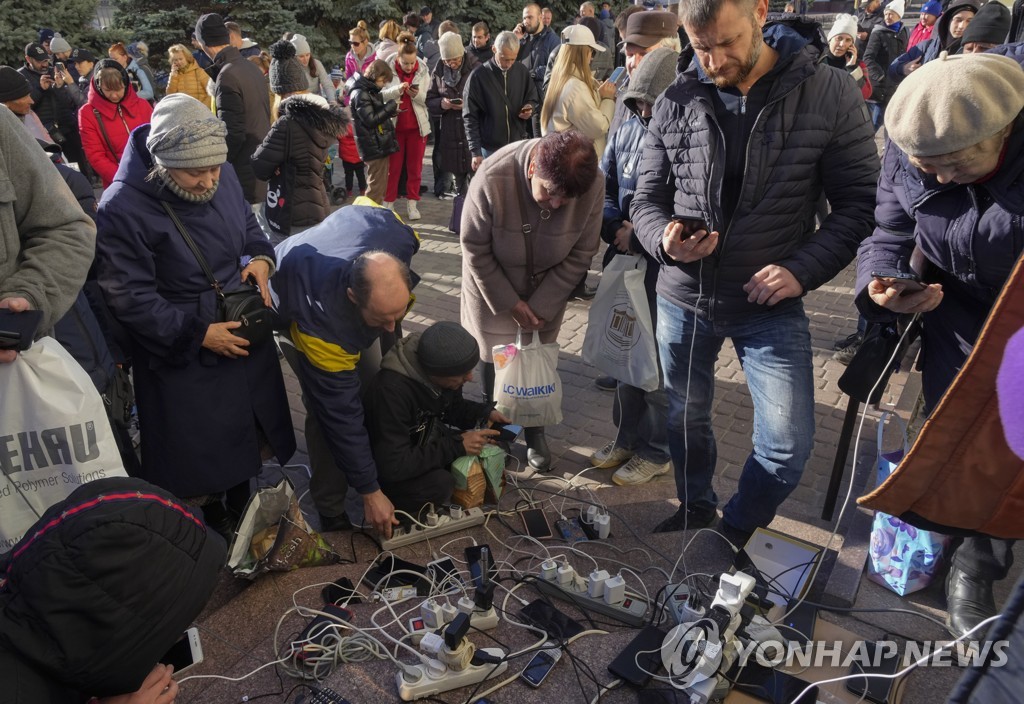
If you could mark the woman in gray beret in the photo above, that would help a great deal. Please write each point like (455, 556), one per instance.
(212, 404)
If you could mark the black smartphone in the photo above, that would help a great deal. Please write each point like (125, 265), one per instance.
(17, 330)
(340, 590)
(545, 616)
(571, 530)
(877, 688)
(906, 280)
(540, 666)
(692, 226)
(770, 685)
(801, 622)
(536, 523)
(59, 66)
(641, 659)
(380, 576)
(473, 553)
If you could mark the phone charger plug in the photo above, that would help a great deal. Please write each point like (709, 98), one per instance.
(615, 590)
(455, 511)
(592, 513)
(466, 605)
(448, 613)
(432, 643)
(484, 596)
(432, 614)
(595, 584)
(549, 569)
(432, 519)
(604, 525)
(565, 574)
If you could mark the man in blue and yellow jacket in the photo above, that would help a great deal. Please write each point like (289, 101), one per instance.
(339, 287)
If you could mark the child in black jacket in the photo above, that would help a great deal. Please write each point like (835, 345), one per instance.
(374, 125)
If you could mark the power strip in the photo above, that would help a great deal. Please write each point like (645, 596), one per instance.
(430, 683)
(446, 524)
(631, 610)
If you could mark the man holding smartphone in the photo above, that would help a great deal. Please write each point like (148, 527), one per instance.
(56, 99)
(738, 254)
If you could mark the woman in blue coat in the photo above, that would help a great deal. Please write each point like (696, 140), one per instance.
(212, 406)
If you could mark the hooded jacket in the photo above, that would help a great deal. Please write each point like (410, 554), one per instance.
(814, 117)
(451, 144)
(371, 115)
(415, 427)
(297, 144)
(106, 126)
(492, 101)
(931, 48)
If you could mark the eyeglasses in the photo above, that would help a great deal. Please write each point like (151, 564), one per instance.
(351, 43)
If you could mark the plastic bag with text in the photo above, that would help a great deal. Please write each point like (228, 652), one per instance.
(527, 388)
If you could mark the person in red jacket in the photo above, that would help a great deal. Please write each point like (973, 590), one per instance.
(109, 115)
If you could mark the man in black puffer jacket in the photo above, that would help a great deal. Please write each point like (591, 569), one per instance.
(739, 150)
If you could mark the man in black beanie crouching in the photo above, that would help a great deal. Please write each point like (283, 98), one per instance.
(417, 419)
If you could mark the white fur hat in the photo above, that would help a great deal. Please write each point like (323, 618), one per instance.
(897, 6)
(843, 24)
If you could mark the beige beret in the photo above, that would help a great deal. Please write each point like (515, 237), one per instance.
(954, 102)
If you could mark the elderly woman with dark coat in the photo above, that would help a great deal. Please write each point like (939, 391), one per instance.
(447, 84)
(212, 405)
(555, 180)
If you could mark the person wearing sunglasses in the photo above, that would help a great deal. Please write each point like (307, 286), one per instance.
(361, 54)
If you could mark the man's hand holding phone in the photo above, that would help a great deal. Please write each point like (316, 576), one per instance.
(904, 295)
(687, 240)
(526, 112)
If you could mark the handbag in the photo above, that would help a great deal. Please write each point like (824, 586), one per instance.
(455, 222)
(244, 305)
(278, 210)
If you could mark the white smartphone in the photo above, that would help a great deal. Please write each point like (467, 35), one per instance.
(541, 665)
(185, 653)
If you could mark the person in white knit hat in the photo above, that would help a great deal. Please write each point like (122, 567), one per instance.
(842, 52)
(887, 41)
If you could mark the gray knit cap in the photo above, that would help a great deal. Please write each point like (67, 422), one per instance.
(447, 349)
(450, 45)
(650, 79)
(287, 75)
(58, 45)
(184, 134)
(301, 44)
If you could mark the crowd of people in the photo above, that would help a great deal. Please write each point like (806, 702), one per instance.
(734, 154)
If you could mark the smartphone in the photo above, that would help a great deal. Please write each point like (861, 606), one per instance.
(455, 101)
(186, 651)
(526, 108)
(508, 433)
(641, 659)
(445, 575)
(476, 570)
(770, 685)
(571, 530)
(340, 590)
(380, 575)
(59, 66)
(906, 280)
(536, 523)
(540, 665)
(549, 619)
(877, 688)
(17, 330)
(618, 76)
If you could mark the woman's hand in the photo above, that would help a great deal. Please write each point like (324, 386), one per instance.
(157, 688)
(607, 90)
(259, 270)
(897, 300)
(525, 317)
(852, 54)
(221, 340)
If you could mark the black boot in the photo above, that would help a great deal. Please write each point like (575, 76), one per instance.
(488, 381)
(969, 601)
(537, 452)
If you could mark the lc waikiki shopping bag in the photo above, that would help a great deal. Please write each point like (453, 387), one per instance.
(620, 335)
(526, 384)
(54, 435)
(902, 558)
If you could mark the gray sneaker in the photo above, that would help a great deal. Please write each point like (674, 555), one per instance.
(610, 456)
(639, 471)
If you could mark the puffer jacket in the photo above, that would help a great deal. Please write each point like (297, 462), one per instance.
(940, 41)
(814, 117)
(118, 121)
(308, 126)
(884, 46)
(372, 117)
(621, 167)
(190, 80)
(451, 144)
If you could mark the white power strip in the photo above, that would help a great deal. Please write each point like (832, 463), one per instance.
(402, 536)
(429, 683)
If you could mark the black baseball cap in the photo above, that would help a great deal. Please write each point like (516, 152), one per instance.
(79, 55)
(36, 51)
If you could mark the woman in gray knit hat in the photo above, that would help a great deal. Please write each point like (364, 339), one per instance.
(212, 404)
(293, 153)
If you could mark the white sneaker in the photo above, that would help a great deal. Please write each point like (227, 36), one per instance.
(610, 456)
(414, 213)
(389, 204)
(638, 471)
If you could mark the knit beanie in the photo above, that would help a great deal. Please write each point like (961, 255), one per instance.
(45, 34)
(932, 7)
(210, 30)
(842, 24)
(447, 349)
(989, 26)
(12, 84)
(300, 44)
(650, 79)
(286, 73)
(184, 134)
(450, 45)
(896, 6)
(954, 102)
(58, 45)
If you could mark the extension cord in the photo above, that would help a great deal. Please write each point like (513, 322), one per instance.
(428, 684)
(678, 598)
(402, 536)
(478, 620)
(632, 610)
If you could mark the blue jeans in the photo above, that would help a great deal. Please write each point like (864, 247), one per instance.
(642, 417)
(877, 114)
(774, 348)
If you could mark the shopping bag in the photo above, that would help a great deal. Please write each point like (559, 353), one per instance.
(620, 338)
(526, 384)
(54, 435)
(273, 536)
(902, 558)
(455, 221)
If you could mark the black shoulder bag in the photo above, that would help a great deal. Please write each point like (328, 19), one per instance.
(244, 305)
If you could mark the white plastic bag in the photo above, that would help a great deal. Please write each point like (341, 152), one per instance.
(526, 384)
(54, 435)
(620, 335)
